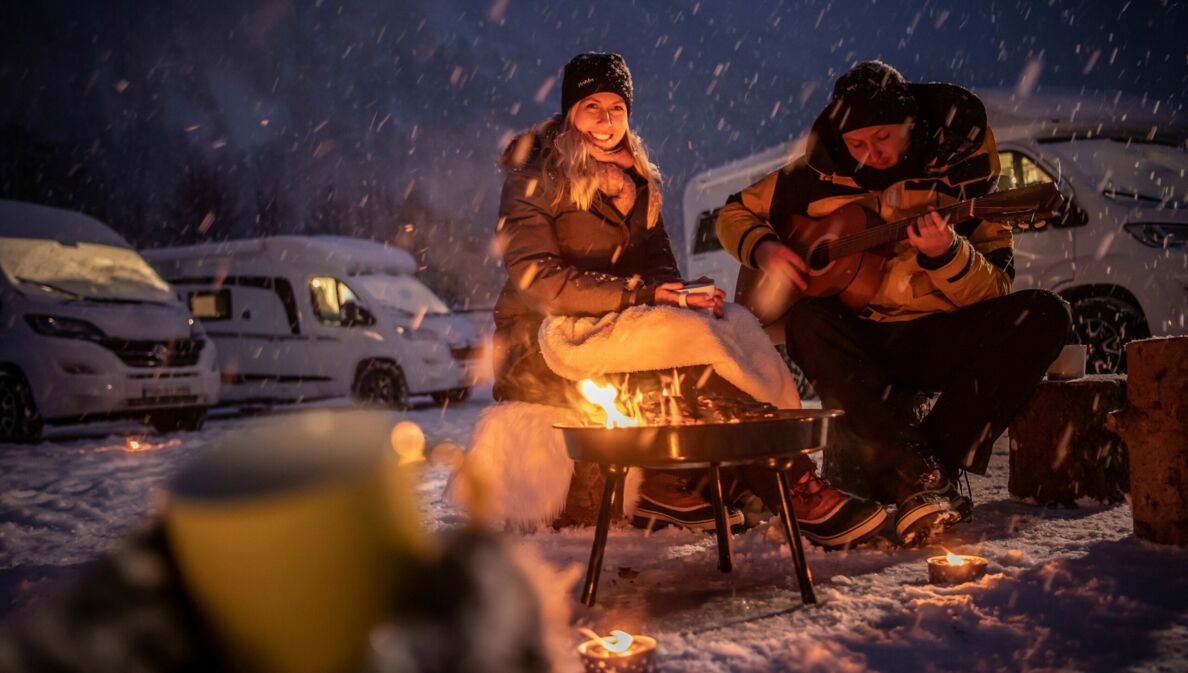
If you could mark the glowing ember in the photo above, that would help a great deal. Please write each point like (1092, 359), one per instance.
(133, 445)
(604, 397)
(954, 559)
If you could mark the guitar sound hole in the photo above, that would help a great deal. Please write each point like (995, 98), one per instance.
(818, 259)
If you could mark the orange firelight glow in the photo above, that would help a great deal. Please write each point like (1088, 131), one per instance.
(604, 397)
(954, 559)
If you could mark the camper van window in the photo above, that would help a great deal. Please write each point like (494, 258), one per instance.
(328, 296)
(707, 234)
(210, 306)
(1019, 170)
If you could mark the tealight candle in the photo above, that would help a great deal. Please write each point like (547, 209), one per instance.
(619, 652)
(955, 568)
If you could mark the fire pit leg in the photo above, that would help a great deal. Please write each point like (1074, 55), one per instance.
(722, 524)
(615, 476)
(792, 531)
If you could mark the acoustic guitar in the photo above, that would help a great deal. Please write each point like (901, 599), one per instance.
(846, 250)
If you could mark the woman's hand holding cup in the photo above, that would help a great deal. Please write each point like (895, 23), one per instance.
(677, 293)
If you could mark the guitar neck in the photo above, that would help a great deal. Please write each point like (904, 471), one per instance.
(892, 232)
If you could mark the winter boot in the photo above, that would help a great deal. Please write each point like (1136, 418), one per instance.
(831, 518)
(929, 506)
(666, 498)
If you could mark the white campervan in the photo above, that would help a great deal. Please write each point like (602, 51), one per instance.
(307, 317)
(89, 331)
(1119, 256)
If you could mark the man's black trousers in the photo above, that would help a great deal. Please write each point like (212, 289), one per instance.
(983, 360)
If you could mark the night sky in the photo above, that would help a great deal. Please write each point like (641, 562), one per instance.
(361, 117)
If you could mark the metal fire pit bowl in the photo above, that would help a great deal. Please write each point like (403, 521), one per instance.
(772, 442)
(791, 432)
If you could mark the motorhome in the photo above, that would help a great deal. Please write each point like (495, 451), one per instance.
(307, 317)
(89, 331)
(1118, 254)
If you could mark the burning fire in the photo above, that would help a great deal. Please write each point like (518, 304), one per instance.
(604, 397)
(954, 559)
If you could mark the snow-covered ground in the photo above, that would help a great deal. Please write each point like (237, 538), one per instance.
(1068, 590)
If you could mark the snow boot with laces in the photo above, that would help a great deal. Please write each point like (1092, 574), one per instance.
(831, 518)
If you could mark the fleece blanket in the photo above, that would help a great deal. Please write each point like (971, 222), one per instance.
(647, 338)
(517, 471)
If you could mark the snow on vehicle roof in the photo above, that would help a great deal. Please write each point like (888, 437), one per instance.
(353, 254)
(19, 219)
(1063, 114)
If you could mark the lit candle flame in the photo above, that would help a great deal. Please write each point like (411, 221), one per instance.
(954, 559)
(604, 397)
(618, 642)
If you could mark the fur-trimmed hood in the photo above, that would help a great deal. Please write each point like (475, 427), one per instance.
(528, 149)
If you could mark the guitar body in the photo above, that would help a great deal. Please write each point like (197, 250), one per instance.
(846, 251)
(854, 278)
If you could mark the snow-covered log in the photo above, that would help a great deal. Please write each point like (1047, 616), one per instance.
(1154, 426)
(1060, 448)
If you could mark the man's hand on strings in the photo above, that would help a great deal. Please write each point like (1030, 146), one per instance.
(931, 234)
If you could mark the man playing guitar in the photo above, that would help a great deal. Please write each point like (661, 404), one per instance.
(938, 317)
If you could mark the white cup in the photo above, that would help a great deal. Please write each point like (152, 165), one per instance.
(1069, 364)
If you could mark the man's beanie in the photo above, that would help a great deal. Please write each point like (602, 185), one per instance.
(870, 94)
(592, 73)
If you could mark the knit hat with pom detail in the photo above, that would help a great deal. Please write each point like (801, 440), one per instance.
(592, 73)
(870, 94)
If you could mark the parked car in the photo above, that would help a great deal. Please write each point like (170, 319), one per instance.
(306, 317)
(89, 331)
(1118, 254)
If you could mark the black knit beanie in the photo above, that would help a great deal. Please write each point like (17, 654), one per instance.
(870, 94)
(592, 73)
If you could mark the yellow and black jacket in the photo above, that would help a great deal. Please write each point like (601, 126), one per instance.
(951, 157)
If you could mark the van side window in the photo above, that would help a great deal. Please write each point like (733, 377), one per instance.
(210, 305)
(328, 295)
(706, 239)
(1020, 170)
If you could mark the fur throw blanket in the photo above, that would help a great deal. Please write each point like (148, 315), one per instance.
(648, 338)
(517, 471)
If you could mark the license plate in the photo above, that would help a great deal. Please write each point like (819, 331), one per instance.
(165, 389)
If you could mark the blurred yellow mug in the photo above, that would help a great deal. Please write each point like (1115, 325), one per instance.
(292, 538)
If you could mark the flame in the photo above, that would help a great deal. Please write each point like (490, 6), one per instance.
(954, 559)
(604, 397)
(133, 445)
(617, 643)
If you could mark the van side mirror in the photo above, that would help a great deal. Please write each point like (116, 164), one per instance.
(354, 315)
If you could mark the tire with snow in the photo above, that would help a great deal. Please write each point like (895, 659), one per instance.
(381, 383)
(453, 396)
(177, 420)
(19, 420)
(1105, 325)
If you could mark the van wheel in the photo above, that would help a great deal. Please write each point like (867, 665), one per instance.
(176, 420)
(1105, 325)
(382, 383)
(19, 420)
(452, 396)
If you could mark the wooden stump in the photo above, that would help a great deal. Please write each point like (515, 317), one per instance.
(1060, 448)
(1154, 426)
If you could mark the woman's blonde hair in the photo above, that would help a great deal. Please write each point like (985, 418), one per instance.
(571, 163)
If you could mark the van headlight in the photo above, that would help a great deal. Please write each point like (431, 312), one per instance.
(66, 328)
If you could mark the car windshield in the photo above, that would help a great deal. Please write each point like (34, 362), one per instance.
(1146, 173)
(81, 270)
(403, 293)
